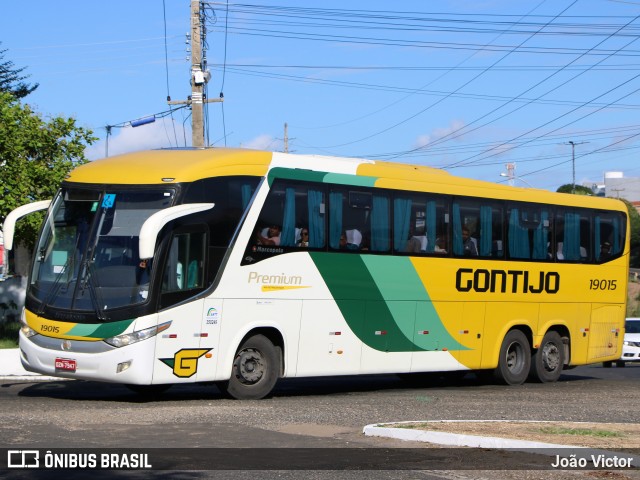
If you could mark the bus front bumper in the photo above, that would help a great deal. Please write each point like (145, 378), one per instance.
(83, 360)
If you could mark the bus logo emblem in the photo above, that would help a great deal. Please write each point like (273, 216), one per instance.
(185, 362)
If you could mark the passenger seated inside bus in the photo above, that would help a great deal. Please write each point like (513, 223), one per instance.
(269, 235)
(441, 245)
(354, 239)
(304, 238)
(468, 243)
(416, 244)
(560, 255)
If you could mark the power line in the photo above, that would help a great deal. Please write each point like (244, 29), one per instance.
(546, 93)
(447, 96)
(166, 63)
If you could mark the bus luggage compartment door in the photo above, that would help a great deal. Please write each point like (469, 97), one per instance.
(605, 336)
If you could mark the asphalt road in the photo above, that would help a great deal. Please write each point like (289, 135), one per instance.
(302, 413)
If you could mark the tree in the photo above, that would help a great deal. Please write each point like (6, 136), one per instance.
(579, 189)
(35, 156)
(11, 79)
(634, 221)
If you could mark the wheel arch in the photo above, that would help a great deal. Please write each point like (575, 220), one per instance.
(271, 332)
(495, 352)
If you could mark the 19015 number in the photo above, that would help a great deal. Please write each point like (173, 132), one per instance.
(603, 284)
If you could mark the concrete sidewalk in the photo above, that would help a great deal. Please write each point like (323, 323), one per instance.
(11, 368)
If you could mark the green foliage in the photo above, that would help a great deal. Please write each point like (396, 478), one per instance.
(634, 220)
(35, 154)
(580, 431)
(11, 79)
(9, 334)
(579, 189)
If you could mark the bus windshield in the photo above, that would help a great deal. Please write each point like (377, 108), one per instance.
(87, 256)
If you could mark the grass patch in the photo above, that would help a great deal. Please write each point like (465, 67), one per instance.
(580, 431)
(9, 334)
(412, 425)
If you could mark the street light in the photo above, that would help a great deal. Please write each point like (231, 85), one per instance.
(513, 177)
(573, 163)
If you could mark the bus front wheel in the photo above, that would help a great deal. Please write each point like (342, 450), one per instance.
(547, 362)
(515, 359)
(256, 368)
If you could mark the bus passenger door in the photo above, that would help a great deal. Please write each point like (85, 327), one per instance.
(184, 352)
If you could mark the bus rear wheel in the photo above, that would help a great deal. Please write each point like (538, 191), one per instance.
(255, 371)
(547, 362)
(515, 359)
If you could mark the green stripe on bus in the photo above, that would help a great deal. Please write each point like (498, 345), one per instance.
(104, 330)
(409, 302)
(353, 289)
(384, 302)
(319, 177)
(295, 174)
(355, 180)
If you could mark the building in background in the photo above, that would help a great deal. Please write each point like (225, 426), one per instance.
(616, 185)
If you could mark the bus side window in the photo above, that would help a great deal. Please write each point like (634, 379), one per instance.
(419, 224)
(466, 228)
(290, 210)
(609, 234)
(572, 236)
(184, 269)
(528, 232)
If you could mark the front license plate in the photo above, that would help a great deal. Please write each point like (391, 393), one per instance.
(65, 365)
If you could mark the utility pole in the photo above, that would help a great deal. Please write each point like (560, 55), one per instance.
(286, 138)
(617, 190)
(199, 77)
(573, 163)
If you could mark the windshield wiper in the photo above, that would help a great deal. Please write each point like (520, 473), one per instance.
(96, 300)
(56, 284)
(85, 272)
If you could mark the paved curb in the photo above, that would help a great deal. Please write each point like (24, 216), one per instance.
(451, 439)
(477, 441)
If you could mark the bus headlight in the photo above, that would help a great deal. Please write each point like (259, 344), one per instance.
(135, 337)
(26, 330)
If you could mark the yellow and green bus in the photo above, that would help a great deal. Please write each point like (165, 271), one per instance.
(242, 267)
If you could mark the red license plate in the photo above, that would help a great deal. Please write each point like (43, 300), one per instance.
(65, 364)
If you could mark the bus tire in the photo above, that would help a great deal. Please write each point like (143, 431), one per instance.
(255, 371)
(548, 360)
(515, 359)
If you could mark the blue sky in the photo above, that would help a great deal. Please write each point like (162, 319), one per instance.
(467, 86)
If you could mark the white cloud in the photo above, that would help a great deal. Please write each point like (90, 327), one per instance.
(441, 132)
(159, 134)
(264, 142)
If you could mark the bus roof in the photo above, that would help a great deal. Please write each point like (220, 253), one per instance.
(169, 166)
